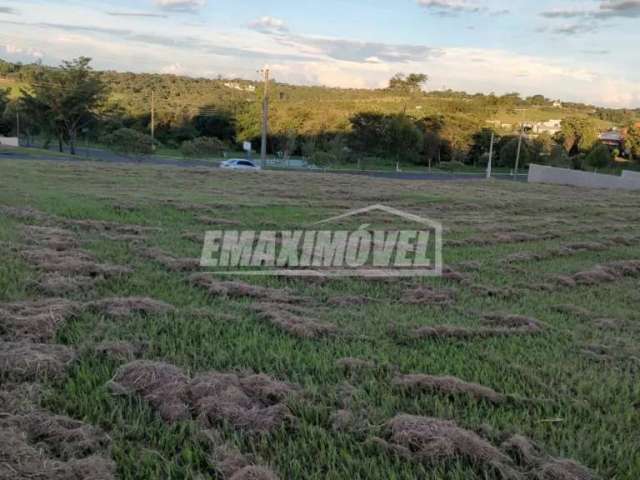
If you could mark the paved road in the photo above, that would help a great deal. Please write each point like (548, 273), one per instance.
(104, 156)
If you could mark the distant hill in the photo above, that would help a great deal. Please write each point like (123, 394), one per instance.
(312, 110)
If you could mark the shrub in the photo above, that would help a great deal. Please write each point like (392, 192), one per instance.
(127, 141)
(323, 159)
(452, 166)
(202, 147)
(599, 156)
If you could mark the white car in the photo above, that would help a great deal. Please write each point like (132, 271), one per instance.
(240, 164)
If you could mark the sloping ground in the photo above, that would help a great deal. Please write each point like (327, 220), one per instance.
(120, 357)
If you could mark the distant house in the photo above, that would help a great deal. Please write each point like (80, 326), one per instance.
(614, 139)
(550, 126)
(241, 87)
(557, 104)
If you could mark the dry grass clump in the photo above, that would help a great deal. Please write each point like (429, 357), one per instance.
(493, 292)
(578, 247)
(50, 237)
(46, 447)
(448, 273)
(253, 403)
(161, 384)
(71, 262)
(466, 333)
(431, 440)
(36, 321)
(469, 265)
(595, 276)
(426, 295)
(122, 307)
(539, 465)
(230, 463)
(561, 469)
(524, 257)
(197, 237)
(63, 437)
(57, 284)
(27, 214)
(19, 398)
(347, 421)
(518, 237)
(20, 460)
(111, 228)
(170, 262)
(352, 364)
(295, 321)
(349, 301)
(29, 361)
(573, 310)
(605, 273)
(508, 320)
(447, 385)
(254, 472)
(219, 288)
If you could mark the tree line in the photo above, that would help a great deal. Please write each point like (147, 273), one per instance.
(204, 117)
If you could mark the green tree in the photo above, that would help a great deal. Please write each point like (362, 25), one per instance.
(5, 122)
(412, 83)
(541, 148)
(127, 141)
(66, 98)
(403, 139)
(632, 141)
(599, 156)
(509, 152)
(578, 134)
(202, 147)
(559, 157)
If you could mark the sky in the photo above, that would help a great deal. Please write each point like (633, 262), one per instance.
(573, 50)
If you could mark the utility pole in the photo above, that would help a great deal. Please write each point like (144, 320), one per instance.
(519, 144)
(265, 117)
(490, 157)
(519, 148)
(153, 121)
(18, 125)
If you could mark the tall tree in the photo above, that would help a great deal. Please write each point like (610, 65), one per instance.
(66, 98)
(578, 134)
(5, 124)
(632, 141)
(411, 83)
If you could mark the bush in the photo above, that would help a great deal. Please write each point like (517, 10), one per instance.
(599, 156)
(127, 141)
(559, 157)
(202, 147)
(452, 166)
(323, 159)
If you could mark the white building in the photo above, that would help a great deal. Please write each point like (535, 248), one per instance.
(550, 126)
(9, 141)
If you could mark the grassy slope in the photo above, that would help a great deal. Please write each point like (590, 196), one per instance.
(308, 109)
(594, 404)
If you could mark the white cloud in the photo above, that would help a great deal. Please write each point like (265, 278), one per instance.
(12, 49)
(269, 25)
(181, 5)
(150, 46)
(174, 69)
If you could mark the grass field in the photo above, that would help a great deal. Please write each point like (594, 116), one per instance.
(566, 388)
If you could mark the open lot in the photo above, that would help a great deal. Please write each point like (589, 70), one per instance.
(524, 355)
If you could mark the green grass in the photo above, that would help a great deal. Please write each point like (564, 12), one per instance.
(596, 402)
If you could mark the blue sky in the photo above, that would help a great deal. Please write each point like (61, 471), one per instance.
(582, 50)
